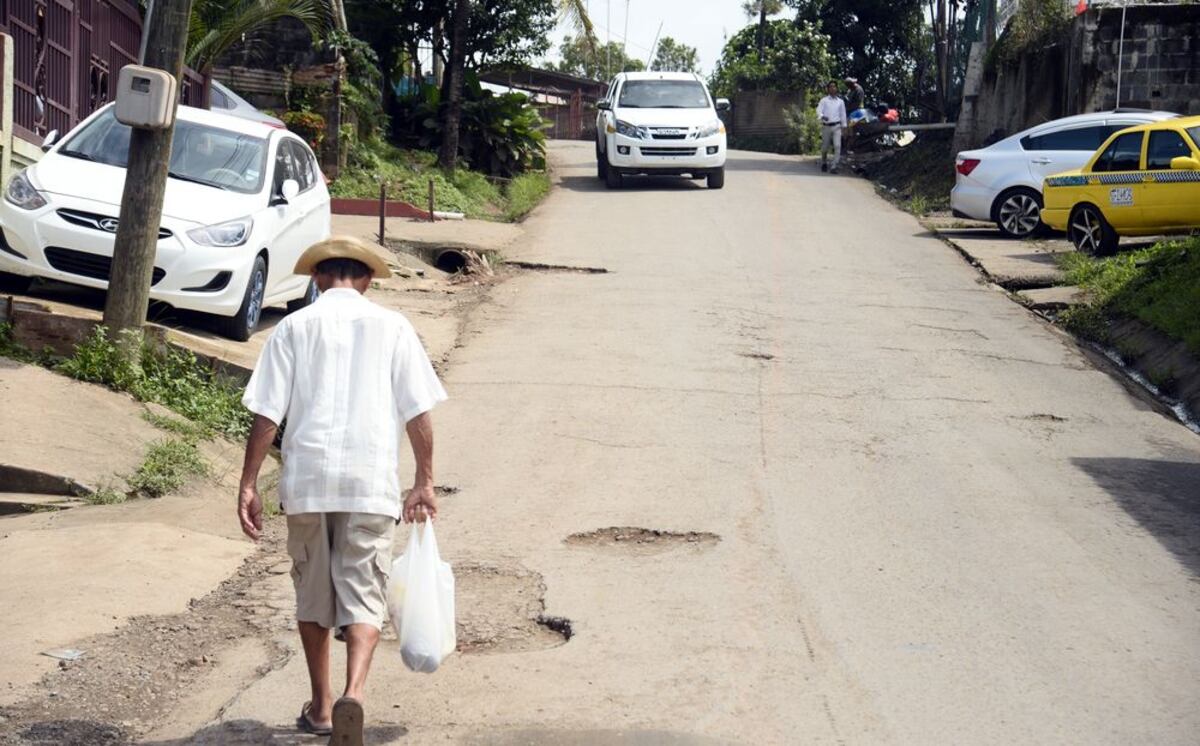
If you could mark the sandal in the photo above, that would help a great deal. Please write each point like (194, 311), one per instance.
(347, 723)
(305, 723)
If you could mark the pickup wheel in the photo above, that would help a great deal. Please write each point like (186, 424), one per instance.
(612, 177)
(240, 326)
(716, 179)
(601, 164)
(1090, 232)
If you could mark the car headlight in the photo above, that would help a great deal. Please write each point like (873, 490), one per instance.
(233, 233)
(711, 129)
(20, 192)
(631, 130)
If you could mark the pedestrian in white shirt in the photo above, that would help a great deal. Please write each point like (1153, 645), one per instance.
(831, 110)
(347, 375)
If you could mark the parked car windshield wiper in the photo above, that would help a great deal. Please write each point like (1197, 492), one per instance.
(76, 154)
(194, 180)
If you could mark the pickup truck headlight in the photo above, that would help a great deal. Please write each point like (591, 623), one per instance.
(20, 192)
(711, 129)
(630, 130)
(224, 235)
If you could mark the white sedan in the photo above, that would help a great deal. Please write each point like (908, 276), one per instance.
(1002, 183)
(243, 200)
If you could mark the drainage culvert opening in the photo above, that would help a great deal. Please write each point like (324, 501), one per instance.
(634, 540)
(450, 260)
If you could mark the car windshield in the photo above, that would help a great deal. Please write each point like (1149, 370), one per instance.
(663, 94)
(201, 154)
(1194, 133)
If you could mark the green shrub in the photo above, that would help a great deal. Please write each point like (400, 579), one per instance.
(309, 125)
(171, 377)
(167, 465)
(804, 127)
(500, 134)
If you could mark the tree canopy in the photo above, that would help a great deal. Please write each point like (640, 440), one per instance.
(796, 59)
(673, 56)
(577, 58)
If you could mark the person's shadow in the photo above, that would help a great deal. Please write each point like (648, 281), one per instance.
(254, 733)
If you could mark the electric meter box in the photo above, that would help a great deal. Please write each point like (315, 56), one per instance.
(146, 97)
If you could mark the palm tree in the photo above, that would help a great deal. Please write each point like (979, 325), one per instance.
(218, 25)
(575, 13)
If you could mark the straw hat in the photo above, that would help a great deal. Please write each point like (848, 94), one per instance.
(345, 247)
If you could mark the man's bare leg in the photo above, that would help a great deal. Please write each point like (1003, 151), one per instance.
(361, 640)
(316, 652)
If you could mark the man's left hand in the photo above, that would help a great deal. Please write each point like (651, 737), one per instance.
(420, 504)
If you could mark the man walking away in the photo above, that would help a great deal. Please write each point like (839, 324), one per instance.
(346, 374)
(831, 110)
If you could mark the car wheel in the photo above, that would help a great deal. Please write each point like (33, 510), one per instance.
(716, 179)
(310, 296)
(1090, 232)
(10, 283)
(601, 164)
(240, 326)
(1019, 213)
(612, 177)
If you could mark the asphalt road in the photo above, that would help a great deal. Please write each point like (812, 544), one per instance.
(940, 522)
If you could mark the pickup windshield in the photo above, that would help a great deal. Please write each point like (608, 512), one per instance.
(663, 94)
(201, 154)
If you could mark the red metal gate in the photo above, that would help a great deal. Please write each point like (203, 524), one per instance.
(66, 56)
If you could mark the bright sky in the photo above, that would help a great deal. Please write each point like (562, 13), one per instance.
(683, 20)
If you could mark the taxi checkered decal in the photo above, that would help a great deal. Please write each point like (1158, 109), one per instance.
(1139, 177)
(1170, 177)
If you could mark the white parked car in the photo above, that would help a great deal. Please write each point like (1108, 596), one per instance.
(1003, 182)
(660, 124)
(243, 200)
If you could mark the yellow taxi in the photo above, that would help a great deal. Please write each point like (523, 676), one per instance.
(1143, 181)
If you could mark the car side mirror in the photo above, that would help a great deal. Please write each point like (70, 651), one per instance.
(49, 140)
(1185, 163)
(604, 105)
(723, 104)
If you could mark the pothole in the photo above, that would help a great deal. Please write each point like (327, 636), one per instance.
(501, 609)
(633, 540)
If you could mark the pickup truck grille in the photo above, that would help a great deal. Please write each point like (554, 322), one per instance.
(668, 151)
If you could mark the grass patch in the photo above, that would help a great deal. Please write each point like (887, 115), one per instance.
(921, 173)
(169, 377)
(525, 193)
(407, 173)
(1159, 285)
(106, 495)
(168, 464)
(176, 426)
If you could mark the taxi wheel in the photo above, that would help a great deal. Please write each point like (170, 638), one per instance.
(1090, 232)
(1019, 213)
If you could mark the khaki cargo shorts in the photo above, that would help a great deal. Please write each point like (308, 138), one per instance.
(340, 566)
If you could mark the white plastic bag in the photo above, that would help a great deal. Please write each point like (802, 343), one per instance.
(421, 601)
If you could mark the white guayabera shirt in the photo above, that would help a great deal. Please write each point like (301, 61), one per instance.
(347, 375)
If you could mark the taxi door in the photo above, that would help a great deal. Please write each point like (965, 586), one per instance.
(1115, 182)
(1172, 195)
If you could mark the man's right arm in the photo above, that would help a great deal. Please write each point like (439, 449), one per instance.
(262, 434)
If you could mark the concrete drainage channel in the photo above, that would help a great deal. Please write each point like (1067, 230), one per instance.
(28, 491)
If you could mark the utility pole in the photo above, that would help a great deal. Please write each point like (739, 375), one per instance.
(145, 181)
(762, 30)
